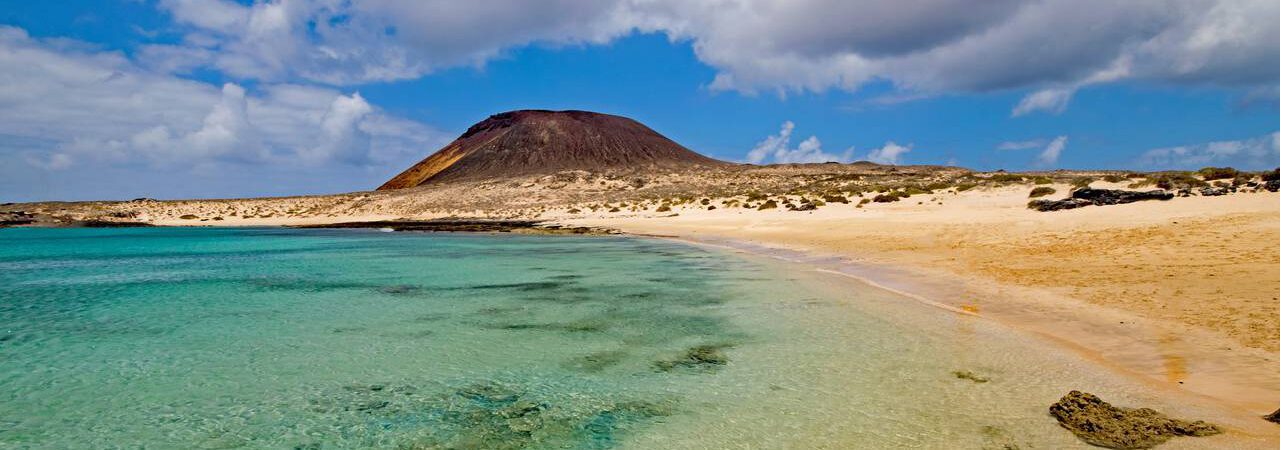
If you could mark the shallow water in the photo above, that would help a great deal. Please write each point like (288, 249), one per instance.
(271, 338)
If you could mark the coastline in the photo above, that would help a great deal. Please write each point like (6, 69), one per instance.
(1174, 294)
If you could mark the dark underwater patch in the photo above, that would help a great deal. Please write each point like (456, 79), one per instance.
(707, 357)
(489, 415)
(596, 362)
(531, 286)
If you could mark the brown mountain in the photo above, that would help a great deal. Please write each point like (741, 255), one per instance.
(533, 142)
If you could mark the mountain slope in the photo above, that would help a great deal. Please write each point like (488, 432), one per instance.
(531, 142)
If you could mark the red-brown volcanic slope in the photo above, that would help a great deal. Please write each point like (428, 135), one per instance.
(532, 142)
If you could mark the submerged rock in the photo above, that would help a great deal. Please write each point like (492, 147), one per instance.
(702, 356)
(1090, 196)
(967, 375)
(1099, 423)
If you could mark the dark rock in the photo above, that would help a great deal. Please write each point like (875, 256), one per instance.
(1099, 423)
(1273, 417)
(1214, 191)
(1090, 196)
(1272, 186)
(1057, 205)
(1116, 197)
(805, 207)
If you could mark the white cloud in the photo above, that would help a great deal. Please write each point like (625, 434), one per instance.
(65, 107)
(55, 161)
(1049, 100)
(341, 130)
(1051, 47)
(1021, 145)
(891, 153)
(1261, 152)
(776, 149)
(1049, 156)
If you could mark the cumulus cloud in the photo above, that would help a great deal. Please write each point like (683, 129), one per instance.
(1049, 156)
(776, 149)
(1262, 152)
(891, 153)
(66, 107)
(1051, 47)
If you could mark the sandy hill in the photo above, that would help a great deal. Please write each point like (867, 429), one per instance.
(532, 142)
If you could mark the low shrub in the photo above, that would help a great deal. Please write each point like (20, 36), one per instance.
(937, 186)
(1041, 192)
(914, 190)
(887, 198)
(1217, 173)
(768, 204)
(1006, 178)
(1177, 180)
(664, 208)
(188, 217)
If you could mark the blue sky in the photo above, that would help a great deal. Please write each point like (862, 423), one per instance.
(184, 98)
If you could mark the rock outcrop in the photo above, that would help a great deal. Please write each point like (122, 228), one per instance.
(1090, 196)
(1099, 423)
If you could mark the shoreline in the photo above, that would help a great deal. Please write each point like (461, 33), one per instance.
(1235, 409)
(865, 274)
(1175, 293)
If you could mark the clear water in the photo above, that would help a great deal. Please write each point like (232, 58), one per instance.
(270, 338)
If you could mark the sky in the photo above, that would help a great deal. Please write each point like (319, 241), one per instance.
(119, 99)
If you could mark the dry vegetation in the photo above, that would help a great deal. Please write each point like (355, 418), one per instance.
(792, 187)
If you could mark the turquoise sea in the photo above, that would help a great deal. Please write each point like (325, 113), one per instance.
(316, 339)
